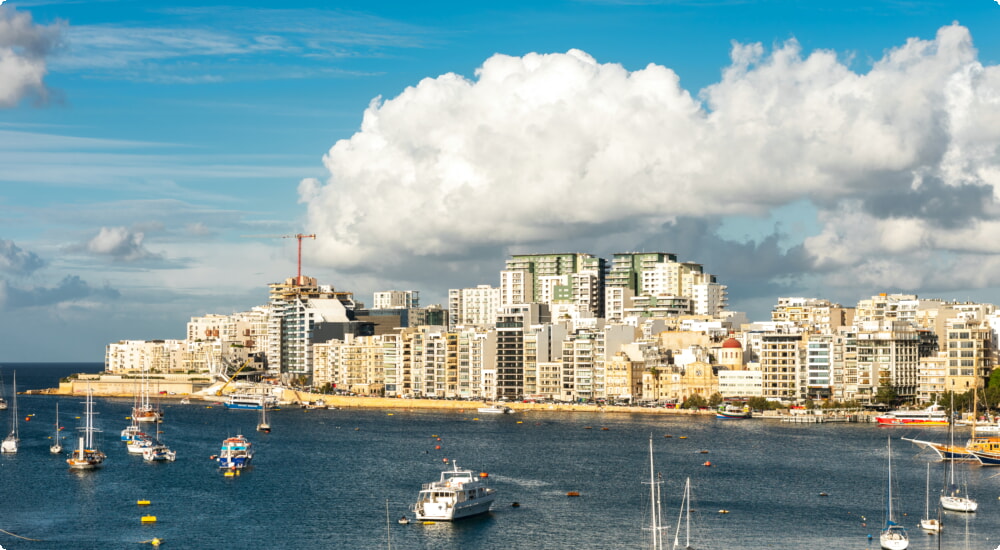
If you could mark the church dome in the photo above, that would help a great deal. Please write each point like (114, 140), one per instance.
(732, 343)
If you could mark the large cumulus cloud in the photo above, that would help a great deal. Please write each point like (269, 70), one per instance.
(24, 47)
(901, 161)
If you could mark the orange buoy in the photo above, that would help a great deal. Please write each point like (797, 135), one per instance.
(573, 494)
(483, 474)
(437, 447)
(707, 463)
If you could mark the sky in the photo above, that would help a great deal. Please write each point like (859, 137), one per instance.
(155, 156)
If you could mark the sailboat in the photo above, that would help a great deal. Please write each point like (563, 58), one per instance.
(655, 510)
(3, 390)
(56, 446)
(929, 524)
(10, 442)
(684, 514)
(953, 500)
(893, 535)
(264, 425)
(143, 411)
(86, 457)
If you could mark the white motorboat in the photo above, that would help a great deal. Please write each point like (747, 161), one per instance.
(495, 409)
(893, 535)
(458, 494)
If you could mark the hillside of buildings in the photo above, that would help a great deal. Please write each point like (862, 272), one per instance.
(642, 328)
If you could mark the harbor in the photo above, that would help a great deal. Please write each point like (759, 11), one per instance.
(782, 485)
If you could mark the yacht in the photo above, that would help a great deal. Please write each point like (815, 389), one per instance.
(458, 494)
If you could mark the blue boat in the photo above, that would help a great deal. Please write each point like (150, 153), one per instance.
(236, 453)
(252, 401)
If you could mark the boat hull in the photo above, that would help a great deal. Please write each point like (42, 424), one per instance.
(431, 512)
(894, 538)
(732, 416)
(958, 504)
(890, 421)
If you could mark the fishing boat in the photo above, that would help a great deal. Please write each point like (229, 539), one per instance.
(495, 409)
(931, 416)
(893, 535)
(10, 443)
(458, 494)
(86, 456)
(235, 453)
(929, 524)
(264, 425)
(56, 447)
(733, 412)
(684, 514)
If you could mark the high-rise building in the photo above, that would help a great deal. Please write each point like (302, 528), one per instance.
(547, 278)
(396, 299)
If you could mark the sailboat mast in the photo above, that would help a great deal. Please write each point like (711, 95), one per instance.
(654, 512)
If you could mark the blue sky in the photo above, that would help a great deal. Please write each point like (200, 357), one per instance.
(824, 149)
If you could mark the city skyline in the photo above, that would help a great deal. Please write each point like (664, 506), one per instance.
(830, 151)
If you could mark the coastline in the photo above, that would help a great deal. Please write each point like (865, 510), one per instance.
(184, 386)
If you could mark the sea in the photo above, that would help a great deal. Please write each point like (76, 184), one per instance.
(341, 479)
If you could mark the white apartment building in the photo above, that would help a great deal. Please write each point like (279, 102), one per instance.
(516, 287)
(741, 383)
(160, 356)
(476, 307)
(396, 299)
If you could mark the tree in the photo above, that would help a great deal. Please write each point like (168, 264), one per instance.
(694, 402)
(887, 395)
(715, 400)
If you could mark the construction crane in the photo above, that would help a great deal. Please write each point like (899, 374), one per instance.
(233, 377)
(299, 236)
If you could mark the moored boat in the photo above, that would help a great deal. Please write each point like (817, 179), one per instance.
(458, 494)
(893, 535)
(86, 456)
(931, 416)
(733, 412)
(11, 442)
(235, 453)
(158, 452)
(495, 409)
(253, 401)
(56, 447)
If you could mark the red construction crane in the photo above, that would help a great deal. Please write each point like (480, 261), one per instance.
(299, 236)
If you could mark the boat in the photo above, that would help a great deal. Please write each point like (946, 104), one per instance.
(3, 390)
(10, 443)
(458, 494)
(143, 411)
(158, 452)
(264, 425)
(495, 409)
(86, 456)
(733, 412)
(931, 416)
(684, 514)
(56, 447)
(945, 451)
(893, 535)
(953, 500)
(929, 524)
(235, 453)
(246, 400)
(655, 508)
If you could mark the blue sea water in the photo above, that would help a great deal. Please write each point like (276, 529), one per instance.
(322, 479)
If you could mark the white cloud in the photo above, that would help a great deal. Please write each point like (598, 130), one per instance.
(543, 148)
(119, 243)
(24, 47)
